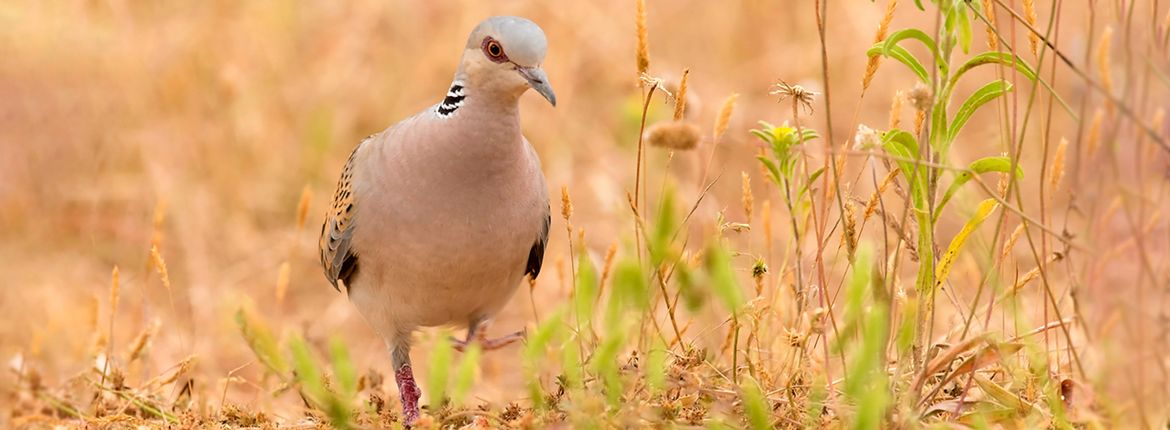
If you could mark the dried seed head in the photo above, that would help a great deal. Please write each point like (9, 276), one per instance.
(896, 110)
(919, 120)
(1093, 138)
(674, 135)
(724, 119)
(992, 40)
(608, 264)
(566, 203)
(920, 97)
(160, 266)
(1030, 16)
(748, 200)
(160, 215)
(866, 138)
(799, 95)
(872, 204)
(1057, 167)
(871, 66)
(93, 312)
(680, 99)
(141, 344)
(303, 206)
(850, 228)
(114, 288)
(1011, 243)
(1103, 59)
(643, 43)
(884, 26)
(282, 279)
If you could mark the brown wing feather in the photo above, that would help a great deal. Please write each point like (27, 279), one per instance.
(338, 260)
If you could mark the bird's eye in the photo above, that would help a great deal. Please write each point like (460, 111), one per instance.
(494, 51)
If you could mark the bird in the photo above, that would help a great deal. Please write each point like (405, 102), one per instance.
(437, 219)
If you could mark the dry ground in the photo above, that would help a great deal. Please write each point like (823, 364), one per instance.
(203, 128)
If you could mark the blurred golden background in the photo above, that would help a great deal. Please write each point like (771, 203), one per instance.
(198, 127)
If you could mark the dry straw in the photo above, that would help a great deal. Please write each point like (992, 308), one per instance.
(1155, 124)
(643, 43)
(680, 99)
(1030, 16)
(608, 265)
(748, 200)
(871, 67)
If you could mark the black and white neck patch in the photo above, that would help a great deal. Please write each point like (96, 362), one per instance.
(453, 101)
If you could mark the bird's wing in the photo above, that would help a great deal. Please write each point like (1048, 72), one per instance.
(536, 254)
(337, 258)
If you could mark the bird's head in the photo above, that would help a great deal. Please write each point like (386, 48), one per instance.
(504, 54)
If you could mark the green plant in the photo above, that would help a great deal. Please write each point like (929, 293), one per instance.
(923, 165)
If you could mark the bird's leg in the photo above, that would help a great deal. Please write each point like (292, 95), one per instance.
(404, 376)
(475, 333)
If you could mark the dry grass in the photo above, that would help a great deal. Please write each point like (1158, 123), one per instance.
(159, 162)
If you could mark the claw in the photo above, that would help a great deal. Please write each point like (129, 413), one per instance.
(488, 344)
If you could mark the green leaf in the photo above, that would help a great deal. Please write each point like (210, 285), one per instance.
(811, 178)
(997, 57)
(977, 99)
(964, 29)
(605, 364)
(585, 293)
(343, 370)
(755, 405)
(980, 166)
(903, 56)
(629, 293)
(948, 258)
(723, 277)
(656, 366)
(259, 337)
(308, 373)
(442, 356)
(904, 146)
(771, 168)
(663, 230)
(912, 33)
(465, 374)
(535, 349)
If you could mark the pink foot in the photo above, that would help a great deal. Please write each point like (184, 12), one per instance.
(489, 344)
(409, 392)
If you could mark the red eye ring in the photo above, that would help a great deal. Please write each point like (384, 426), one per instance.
(493, 50)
